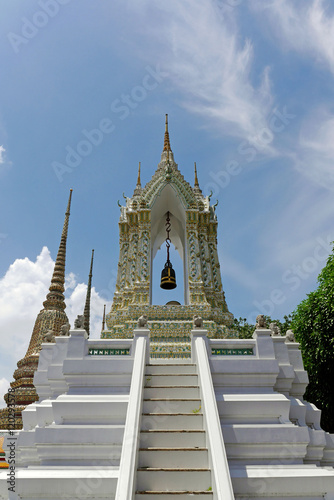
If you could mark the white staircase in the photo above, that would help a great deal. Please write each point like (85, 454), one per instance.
(173, 458)
(231, 426)
(273, 440)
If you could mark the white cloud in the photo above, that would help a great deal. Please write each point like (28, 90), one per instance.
(207, 61)
(22, 292)
(70, 281)
(4, 385)
(75, 305)
(2, 150)
(305, 28)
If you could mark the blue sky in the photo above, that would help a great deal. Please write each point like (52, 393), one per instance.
(248, 87)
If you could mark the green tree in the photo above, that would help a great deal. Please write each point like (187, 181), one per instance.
(242, 329)
(313, 325)
(245, 330)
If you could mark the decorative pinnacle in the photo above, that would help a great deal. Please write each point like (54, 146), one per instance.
(104, 318)
(86, 313)
(166, 138)
(196, 185)
(138, 180)
(196, 178)
(55, 298)
(138, 188)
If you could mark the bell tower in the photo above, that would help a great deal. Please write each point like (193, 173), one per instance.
(193, 231)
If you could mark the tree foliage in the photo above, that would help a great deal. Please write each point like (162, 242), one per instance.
(245, 330)
(313, 325)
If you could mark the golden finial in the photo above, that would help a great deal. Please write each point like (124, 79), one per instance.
(138, 180)
(104, 318)
(86, 313)
(166, 139)
(196, 178)
(55, 299)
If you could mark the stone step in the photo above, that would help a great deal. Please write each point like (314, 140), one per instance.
(297, 482)
(160, 479)
(83, 410)
(263, 443)
(173, 421)
(64, 482)
(171, 361)
(169, 392)
(87, 434)
(60, 445)
(165, 438)
(173, 457)
(263, 408)
(176, 405)
(153, 369)
(63, 455)
(171, 379)
(169, 495)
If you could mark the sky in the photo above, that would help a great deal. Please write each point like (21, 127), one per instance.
(84, 88)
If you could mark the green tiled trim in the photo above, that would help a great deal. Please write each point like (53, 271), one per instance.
(232, 352)
(108, 352)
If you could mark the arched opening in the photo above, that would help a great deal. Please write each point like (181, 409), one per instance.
(168, 200)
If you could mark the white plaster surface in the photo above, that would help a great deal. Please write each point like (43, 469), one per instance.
(81, 440)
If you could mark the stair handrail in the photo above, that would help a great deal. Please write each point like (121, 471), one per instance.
(128, 464)
(223, 489)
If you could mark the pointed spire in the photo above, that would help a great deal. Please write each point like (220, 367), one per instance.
(197, 189)
(55, 298)
(86, 313)
(196, 178)
(138, 188)
(167, 154)
(138, 179)
(104, 318)
(166, 138)
(52, 317)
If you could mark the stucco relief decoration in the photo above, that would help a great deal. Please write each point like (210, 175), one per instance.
(144, 259)
(206, 277)
(193, 260)
(214, 267)
(134, 247)
(124, 262)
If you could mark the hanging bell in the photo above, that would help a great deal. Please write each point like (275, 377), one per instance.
(168, 279)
